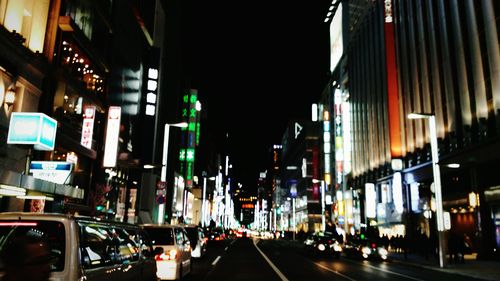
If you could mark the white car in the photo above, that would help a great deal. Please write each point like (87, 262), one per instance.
(85, 248)
(172, 250)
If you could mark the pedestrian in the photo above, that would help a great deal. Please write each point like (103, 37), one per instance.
(26, 258)
(453, 247)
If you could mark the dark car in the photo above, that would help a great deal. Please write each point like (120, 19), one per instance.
(323, 243)
(365, 248)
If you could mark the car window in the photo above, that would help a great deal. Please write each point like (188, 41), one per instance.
(179, 237)
(160, 235)
(97, 245)
(51, 231)
(144, 243)
(128, 248)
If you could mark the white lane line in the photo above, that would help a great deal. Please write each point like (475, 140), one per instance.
(392, 272)
(225, 249)
(283, 278)
(334, 271)
(216, 260)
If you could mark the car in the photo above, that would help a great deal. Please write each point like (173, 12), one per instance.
(85, 248)
(323, 243)
(172, 250)
(216, 234)
(365, 248)
(197, 239)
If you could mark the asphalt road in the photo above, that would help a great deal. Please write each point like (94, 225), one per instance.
(247, 259)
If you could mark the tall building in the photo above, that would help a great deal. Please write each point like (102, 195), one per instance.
(393, 58)
(300, 165)
(96, 69)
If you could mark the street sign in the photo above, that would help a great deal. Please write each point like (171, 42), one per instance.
(160, 199)
(161, 185)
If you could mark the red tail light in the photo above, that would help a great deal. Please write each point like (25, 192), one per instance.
(170, 255)
(374, 245)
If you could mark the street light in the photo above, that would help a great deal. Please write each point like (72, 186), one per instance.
(437, 182)
(163, 176)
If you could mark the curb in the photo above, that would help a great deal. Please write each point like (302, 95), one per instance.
(445, 270)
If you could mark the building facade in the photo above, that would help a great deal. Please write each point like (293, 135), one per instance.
(432, 57)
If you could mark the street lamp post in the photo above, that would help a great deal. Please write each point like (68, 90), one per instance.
(437, 183)
(163, 176)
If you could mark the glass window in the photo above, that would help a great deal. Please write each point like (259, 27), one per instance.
(50, 231)
(27, 18)
(82, 15)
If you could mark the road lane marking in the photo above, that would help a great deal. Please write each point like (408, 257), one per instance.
(392, 272)
(225, 249)
(216, 260)
(283, 278)
(334, 271)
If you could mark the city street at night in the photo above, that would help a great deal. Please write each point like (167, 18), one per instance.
(152, 140)
(242, 259)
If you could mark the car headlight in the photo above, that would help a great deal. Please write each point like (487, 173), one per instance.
(366, 250)
(321, 247)
(382, 251)
(337, 247)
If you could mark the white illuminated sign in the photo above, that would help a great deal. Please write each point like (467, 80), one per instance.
(371, 200)
(56, 172)
(298, 129)
(152, 86)
(388, 10)
(397, 192)
(112, 134)
(447, 220)
(88, 126)
(336, 41)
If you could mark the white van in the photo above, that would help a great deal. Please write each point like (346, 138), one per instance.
(85, 248)
(197, 239)
(172, 250)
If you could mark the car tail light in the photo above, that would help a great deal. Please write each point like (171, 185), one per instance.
(170, 255)
(374, 245)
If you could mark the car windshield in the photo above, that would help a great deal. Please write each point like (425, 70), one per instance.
(50, 231)
(160, 235)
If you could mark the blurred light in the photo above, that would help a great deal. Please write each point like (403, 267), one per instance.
(314, 111)
(453, 165)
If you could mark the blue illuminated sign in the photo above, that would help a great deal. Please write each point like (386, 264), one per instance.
(33, 128)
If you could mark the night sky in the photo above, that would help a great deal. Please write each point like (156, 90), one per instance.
(256, 64)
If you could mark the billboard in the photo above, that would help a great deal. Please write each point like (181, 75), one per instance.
(336, 40)
(33, 128)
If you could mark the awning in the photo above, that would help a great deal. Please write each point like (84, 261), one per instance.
(10, 180)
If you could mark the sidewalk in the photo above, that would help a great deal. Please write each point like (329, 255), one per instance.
(481, 269)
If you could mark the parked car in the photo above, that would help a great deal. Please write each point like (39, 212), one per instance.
(85, 248)
(366, 248)
(197, 239)
(172, 250)
(323, 243)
